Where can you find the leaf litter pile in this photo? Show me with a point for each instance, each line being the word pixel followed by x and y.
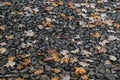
pixel 59 40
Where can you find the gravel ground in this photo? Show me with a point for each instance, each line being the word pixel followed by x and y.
pixel 59 40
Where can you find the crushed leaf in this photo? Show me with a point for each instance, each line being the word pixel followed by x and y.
pixel 80 70
pixel 37 72
pixel 85 77
pixel 56 70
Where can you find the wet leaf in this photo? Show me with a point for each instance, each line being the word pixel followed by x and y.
pixel 80 70
pixel 56 70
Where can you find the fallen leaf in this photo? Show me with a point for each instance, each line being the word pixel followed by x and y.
pixel 2 50
pixel 48 8
pixel 61 3
pixel 102 50
pixel 11 58
pixel 37 72
pixel 66 59
pixel 54 4
pixel 116 25
pixel 56 70
pixel 80 70
pixel 7 3
pixel 96 34
pixel 85 77
pixel 9 36
pixel 21 13
pixel 56 57
pixel 27 61
pixel 92 25
pixel 3 27
pixel 64 16
pixel 54 78
pixel 19 79
pixel 20 67
pixel 10 63
pixel 100 1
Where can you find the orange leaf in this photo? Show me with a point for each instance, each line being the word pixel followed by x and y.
pixel 96 34
pixel 56 70
pixel 85 77
pixel 27 61
pixel 55 56
pixel 54 78
pixel 80 70
pixel 37 72
pixel 11 58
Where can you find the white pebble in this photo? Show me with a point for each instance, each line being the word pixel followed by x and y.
pixel 113 58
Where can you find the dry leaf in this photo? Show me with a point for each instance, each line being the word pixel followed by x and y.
pixel 80 70
pixel 2 50
pixel 56 57
pixel 92 25
pixel 9 36
pixel 96 34
pixel 56 70
pixel 48 8
pixel 19 79
pixel 27 61
pixel 37 72
pixel 66 59
pixel 61 3
pixel 11 58
pixel 78 10
pixel 54 78
pixel 102 50
pixel 54 4
pixel 85 77
pixel 63 16
pixel 100 1
pixel 10 63
pixel 70 4
pixel 117 25
pixel 70 18
pixel 7 3
pixel 3 27
pixel 21 13
pixel 20 67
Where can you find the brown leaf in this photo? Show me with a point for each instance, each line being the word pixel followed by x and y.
pixel 61 3
pixel 20 79
pixel 92 25
pixel 3 27
pixel 116 25
pixel 54 4
pixel 96 34
pixel 56 57
pixel 54 78
pixel 48 8
pixel 7 3
pixel 20 67
pixel 56 70
pixel 66 59
pixel 37 72
pixel 102 50
pixel 100 1
pixel 27 61
pixel 63 16
pixel 70 18
pixel 21 13
pixel 78 10
pixel 85 77
pixel 80 70
pixel 11 58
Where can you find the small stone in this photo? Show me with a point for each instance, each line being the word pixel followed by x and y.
pixel 75 51
pixel 113 58
pixel 2 50
pixel 64 52
pixel 29 33
pixel 36 10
